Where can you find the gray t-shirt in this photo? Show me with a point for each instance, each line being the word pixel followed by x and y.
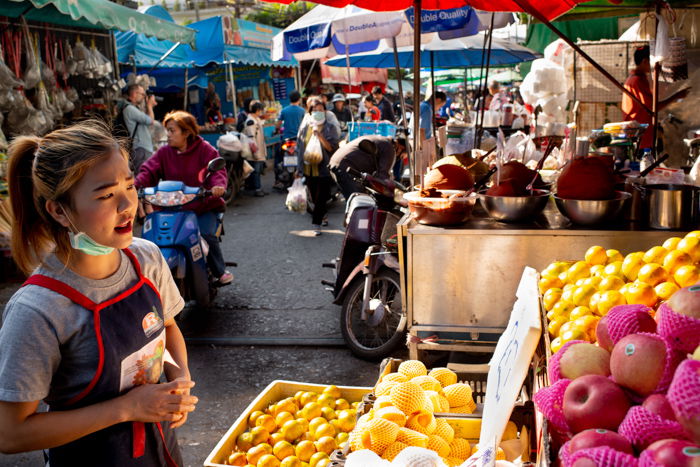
pixel 48 349
pixel 142 137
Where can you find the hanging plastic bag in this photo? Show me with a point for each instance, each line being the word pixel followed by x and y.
pixel 246 151
pixel 296 198
pixel 81 55
pixel 313 153
pixel 247 169
pixel 3 140
pixel 8 80
pixel 32 72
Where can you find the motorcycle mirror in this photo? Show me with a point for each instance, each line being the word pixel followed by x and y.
pixel 216 164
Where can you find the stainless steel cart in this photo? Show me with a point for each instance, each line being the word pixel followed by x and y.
pixel 459 283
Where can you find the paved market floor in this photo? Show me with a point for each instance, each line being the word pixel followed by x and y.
pixel 276 294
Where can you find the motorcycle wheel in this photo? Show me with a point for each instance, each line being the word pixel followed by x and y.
pixel 232 188
pixel 374 341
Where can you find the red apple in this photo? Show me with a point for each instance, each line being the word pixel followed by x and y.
pixel 684 397
pixel 622 320
pixel 597 437
pixel 584 359
pixel 686 301
pixel 638 361
pixel 671 453
pixel 594 401
pixel 658 404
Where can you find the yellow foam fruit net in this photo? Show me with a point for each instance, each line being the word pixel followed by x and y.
pixel 458 394
pixel 392 414
pixel 464 409
pixel 382 401
pixel 396 377
pixel 439 445
pixel 444 404
pixel 445 376
pixel 412 368
pixel 422 422
pixel 460 448
pixel 412 438
pixel 444 430
pixel 428 383
pixel 378 434
pixel 393 450
pixel 408 397
pixel 434 399
pixel 384 388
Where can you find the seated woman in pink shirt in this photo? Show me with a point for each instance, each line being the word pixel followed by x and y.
pixel 185 159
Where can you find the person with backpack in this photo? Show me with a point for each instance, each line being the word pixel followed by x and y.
pixel 137 124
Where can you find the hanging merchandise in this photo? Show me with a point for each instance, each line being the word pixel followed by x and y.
pixel 81 54
pixel 32 72
pixel 8 80
pixel 3 140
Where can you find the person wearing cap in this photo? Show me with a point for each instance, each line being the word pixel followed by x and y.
pixel 341 112
pixel 373 154
pixel 638 84
pixel 386 110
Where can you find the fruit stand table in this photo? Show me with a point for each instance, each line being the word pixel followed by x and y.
pixel 458 283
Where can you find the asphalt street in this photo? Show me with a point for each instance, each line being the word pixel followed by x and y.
pixel 276 298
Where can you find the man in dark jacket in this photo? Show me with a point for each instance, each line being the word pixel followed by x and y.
pixel 385 107
pixel 370 154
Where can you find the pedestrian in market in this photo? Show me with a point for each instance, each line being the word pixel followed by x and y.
pixel 373 154
pixel 254 129
pixel 314 165
pixel 89 330
pixel 638 84
pixel 426 113
pixel 290 119
pixel 341 112
pixel 385 107
pixel 184 159
pixel 372 114
pixel 138 124
pixel 243 113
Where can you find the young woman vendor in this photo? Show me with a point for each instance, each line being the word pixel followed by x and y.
pixel 91 332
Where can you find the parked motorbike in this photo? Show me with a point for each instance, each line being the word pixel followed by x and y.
pixel 234 170
pixel 367 283
pixel 176 232
pixel 284 171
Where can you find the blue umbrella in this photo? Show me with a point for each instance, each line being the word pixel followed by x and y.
pixel 462 52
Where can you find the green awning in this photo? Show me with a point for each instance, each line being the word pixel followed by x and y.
pixel 603 8
pixel 101 14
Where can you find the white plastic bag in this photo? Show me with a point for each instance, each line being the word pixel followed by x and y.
pixel 246 151
pixel 313 153
pixel 296 198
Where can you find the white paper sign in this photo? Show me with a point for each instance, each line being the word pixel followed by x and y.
pixel 509 367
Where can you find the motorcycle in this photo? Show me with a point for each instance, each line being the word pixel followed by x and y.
pixel 234 170
pixel 284 171
pixel 176 232
pixel 367 282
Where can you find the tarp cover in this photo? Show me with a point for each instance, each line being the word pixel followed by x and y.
pixel 98 13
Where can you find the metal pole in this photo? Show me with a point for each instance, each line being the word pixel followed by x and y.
pixel 432 95
pixel 484 85
pixel 399 82
pixel 655 92
pixel 234 100
pixel 184 104
pixel 306 80
pixel 524 6
pixel 479 91
pixel 417 143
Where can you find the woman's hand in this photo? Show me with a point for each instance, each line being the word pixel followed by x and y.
pixel 152 403
pixel 218 191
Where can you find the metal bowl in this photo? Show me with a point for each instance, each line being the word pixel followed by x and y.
pixel 514 208
pixel 591 212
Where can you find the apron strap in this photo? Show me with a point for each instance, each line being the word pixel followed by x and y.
pixel 138 445
pixel 168 458
pixel 137 267
pixel 61 289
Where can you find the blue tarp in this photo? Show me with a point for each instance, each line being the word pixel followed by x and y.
pixel 145 52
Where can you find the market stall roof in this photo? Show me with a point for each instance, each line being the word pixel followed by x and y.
pixel 461 52
pixel 218 40
pixel 101 14
pixel 548 8
pixel 604 8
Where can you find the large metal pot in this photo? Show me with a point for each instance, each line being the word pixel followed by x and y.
pixel 672 207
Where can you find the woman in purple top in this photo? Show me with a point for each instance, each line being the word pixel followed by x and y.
pixel 185 159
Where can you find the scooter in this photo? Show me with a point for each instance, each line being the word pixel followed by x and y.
pixel 176 232
pixel 284 171
pixel 367 282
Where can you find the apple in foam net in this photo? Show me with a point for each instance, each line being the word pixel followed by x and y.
pixel 672 453
pixel 594 401
pixel 658 404
pixel 599 437
pixel 584 359
pixel 638 361
pixel 686 301
pixel 642 322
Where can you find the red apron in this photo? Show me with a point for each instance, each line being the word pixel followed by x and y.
pixel 130 335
